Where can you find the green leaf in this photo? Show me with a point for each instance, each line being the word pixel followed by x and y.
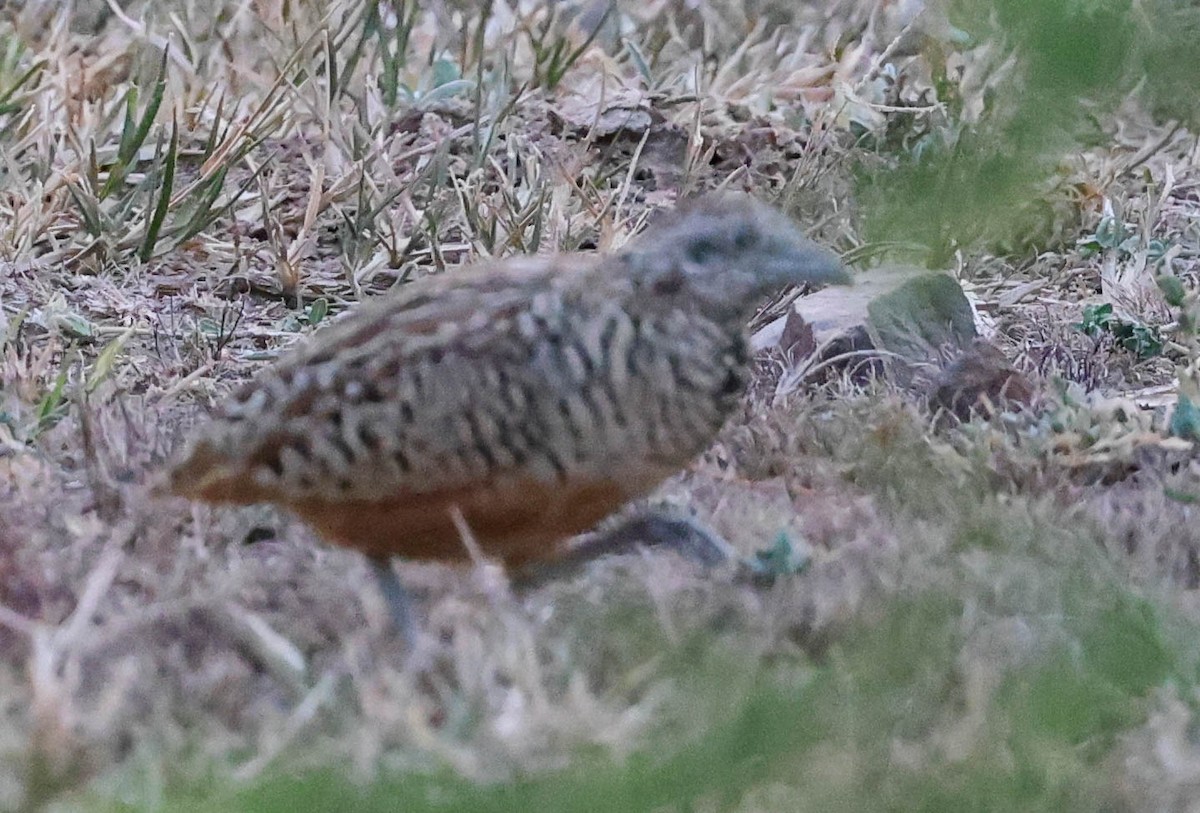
pixel 445 72
pixel 1095 319
pixel 1185 420
pixel 1177 495
pixel 782 558
pixel 76 326
pixel 1172 289
pixel 1142 340
pixel 129 148
pixel 446 91
pixel 1157 249
pixel 317 311
pixel 639 60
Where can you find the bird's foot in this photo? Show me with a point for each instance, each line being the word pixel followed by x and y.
pixel 655 529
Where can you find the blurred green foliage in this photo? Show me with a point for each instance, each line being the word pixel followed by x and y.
pixel 1045 731
pixel 1068 65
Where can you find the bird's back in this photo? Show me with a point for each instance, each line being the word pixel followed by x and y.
pixel 535 396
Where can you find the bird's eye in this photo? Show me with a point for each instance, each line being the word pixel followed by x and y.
pixel 700 250
pixel 744 237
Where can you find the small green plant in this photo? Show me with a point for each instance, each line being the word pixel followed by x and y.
pixel 1110 235
pixel 1120 238
pixel 553 51
pixel 1185 418
pixel 1141 340
pixel 127 199
pixel 135 130
pixel 443 81
pixel 28 421
pixel 390 65
pixel 781 558
pixel 391 47
pixel 104 177
pixel 17 84
pixel 309 316
pixel 366 227
pixel 53 405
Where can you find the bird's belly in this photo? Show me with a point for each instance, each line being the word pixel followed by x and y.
pixel 516 522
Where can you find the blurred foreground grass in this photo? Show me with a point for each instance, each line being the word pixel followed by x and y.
pixel 830 742
pixel 1002 675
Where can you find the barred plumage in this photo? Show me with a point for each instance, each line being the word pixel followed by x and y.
pixel 536 395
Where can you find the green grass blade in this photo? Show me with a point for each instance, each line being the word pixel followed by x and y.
pixel 147 119
pixel 49 408
pixel 133 135
pixel 215 134
pixel 154 224
pixel 104 362
pixel 6 97
pixel 88 209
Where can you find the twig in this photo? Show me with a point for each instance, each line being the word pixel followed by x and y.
pixel 1149 151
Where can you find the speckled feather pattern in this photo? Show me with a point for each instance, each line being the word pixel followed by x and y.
pixel 536 394
pixel 535 369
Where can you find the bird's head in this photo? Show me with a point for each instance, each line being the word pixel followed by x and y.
pixel 724 254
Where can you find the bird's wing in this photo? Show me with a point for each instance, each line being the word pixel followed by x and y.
pixel 457 381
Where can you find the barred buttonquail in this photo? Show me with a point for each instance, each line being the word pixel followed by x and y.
pixel 535 395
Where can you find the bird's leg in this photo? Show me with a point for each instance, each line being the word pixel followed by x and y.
pixel 654 529
pixel 397 599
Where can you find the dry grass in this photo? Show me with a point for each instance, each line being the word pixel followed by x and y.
pixel 998 614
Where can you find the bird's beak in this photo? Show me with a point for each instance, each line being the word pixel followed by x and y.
pixel 806 262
